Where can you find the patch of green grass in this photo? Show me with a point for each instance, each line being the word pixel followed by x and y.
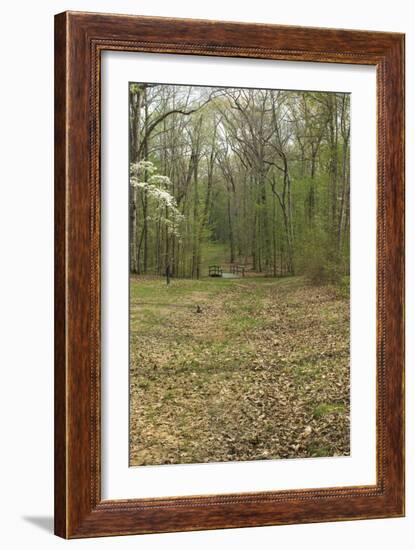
pixel 307 370
pixel 316 450
pixel 237 324
pixel 156 291
pixel 343 288
pixel 327 408
pixel 288 283
pixel 214 254
pixel 300 373
pixel 168 396
pixel 147 315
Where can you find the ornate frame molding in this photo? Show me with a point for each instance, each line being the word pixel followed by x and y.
pixel 79 40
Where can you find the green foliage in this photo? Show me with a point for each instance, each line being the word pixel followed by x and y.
pixel 321 270
pixel 343 287
pixel 262 173
pixel 324 409
pixel 316 450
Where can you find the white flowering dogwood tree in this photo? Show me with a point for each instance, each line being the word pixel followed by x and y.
pixel 163 209
pixel 156 187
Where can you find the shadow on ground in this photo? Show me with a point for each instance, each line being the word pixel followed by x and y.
pixel 43 522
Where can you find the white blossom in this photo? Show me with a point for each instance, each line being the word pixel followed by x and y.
pixel 160 180
pixel 155 187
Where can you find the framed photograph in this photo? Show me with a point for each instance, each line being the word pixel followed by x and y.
pixel 229 275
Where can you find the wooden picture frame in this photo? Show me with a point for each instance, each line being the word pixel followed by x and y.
pixel 79 40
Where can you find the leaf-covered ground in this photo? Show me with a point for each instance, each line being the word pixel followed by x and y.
pixel 261 372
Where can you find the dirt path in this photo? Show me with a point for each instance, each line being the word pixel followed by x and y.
pixel 261 372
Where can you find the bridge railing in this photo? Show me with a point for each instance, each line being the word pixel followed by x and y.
pixel 237 269
pixel 215 271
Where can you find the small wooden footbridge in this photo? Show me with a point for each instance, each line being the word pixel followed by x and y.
pixel 234 272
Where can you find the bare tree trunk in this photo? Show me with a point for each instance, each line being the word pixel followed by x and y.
pixel 134 266
pixel 135 106
pixel 254 254
pixel 231 234
pixel 345 132
pixel 145 198
pixel 196 220
pixel 333 167
pixel 274 238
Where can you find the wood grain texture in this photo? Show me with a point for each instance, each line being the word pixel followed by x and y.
pixel 60 278
pixel 79 40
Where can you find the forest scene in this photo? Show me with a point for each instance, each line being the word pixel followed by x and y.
pixel 239 224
